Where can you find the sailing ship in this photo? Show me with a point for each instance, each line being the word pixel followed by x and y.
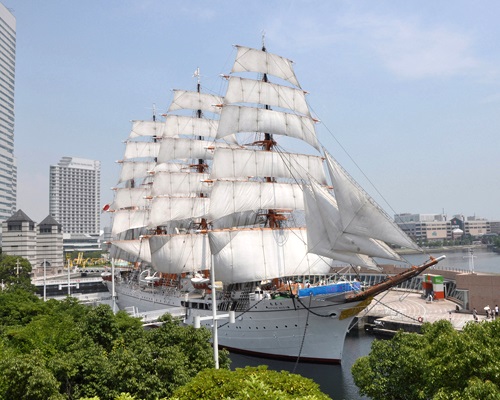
pixel 209 193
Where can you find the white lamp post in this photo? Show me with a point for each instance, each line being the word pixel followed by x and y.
pixel 214 317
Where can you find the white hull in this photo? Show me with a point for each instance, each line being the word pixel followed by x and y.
pixel 150 299
pixel 311 330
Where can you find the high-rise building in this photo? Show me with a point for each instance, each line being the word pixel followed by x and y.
pixel 8 169
pixel 74 195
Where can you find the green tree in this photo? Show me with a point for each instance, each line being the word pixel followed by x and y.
pixel 80 351
pixel 249 383
pixel 18 306
pixel 15 270
pixel 25 377
pixel 441 363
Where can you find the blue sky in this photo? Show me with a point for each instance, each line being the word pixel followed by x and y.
pixel 407 92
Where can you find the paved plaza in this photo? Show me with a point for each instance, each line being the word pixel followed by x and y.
pixel 409 307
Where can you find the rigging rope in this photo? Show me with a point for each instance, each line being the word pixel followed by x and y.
pixel 303 337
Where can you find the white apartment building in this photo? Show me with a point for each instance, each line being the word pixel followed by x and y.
pixel 74 194
pixel 8 169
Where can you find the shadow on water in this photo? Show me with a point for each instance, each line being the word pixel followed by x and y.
pixel 334 380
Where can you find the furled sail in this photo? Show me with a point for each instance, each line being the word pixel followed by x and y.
pixel 249 255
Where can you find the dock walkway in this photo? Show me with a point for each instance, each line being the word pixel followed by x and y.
pixel 402 309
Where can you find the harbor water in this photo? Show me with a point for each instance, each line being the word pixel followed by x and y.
pixel 336 380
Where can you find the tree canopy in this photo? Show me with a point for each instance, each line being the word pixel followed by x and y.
pixel 15 270
pixel 441 364
pixel 65 350
pixel 249 383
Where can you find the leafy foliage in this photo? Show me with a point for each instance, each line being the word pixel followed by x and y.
pixel 441 364
pixel 15 270
pixel 65 350
pixel 249 383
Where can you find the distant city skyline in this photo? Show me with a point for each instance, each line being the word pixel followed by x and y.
pixel 410 90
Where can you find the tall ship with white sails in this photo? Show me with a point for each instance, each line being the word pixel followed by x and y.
pixel 209 193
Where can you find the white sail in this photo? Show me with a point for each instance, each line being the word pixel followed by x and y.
pixel 174 254
pixel 189 100
pixel 138 249
pixel 124 220
pixel 177 184
pixel 147 128
pixel 229 197
pixel 135 170
pixel 241 90
pixel 170 167
pixel 132 197
pixel 325 232
pixel 359 213
pixel 179 149
pixel 166 209
pixel 236 163
pixel 253 60
pixel 141 150
pixel 235 119
pixel 244 218
pixel 180 125
pixel 249 255
pixel 183 149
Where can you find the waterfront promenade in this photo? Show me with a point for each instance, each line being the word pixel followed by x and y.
pixel 402 309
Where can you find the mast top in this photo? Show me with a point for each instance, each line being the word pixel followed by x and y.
pixel 196 75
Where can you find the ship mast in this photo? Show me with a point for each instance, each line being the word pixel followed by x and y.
pixel 273 217
pixel 201 167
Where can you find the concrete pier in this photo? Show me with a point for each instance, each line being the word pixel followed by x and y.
pixel 395 310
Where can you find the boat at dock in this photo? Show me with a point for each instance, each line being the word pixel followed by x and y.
pixel 210 203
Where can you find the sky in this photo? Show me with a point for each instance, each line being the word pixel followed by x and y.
pixel 408 93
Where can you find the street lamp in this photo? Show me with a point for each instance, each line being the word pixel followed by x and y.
pixel 214 317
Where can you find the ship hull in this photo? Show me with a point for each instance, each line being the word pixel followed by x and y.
pixel 305 329
pixel 143 300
